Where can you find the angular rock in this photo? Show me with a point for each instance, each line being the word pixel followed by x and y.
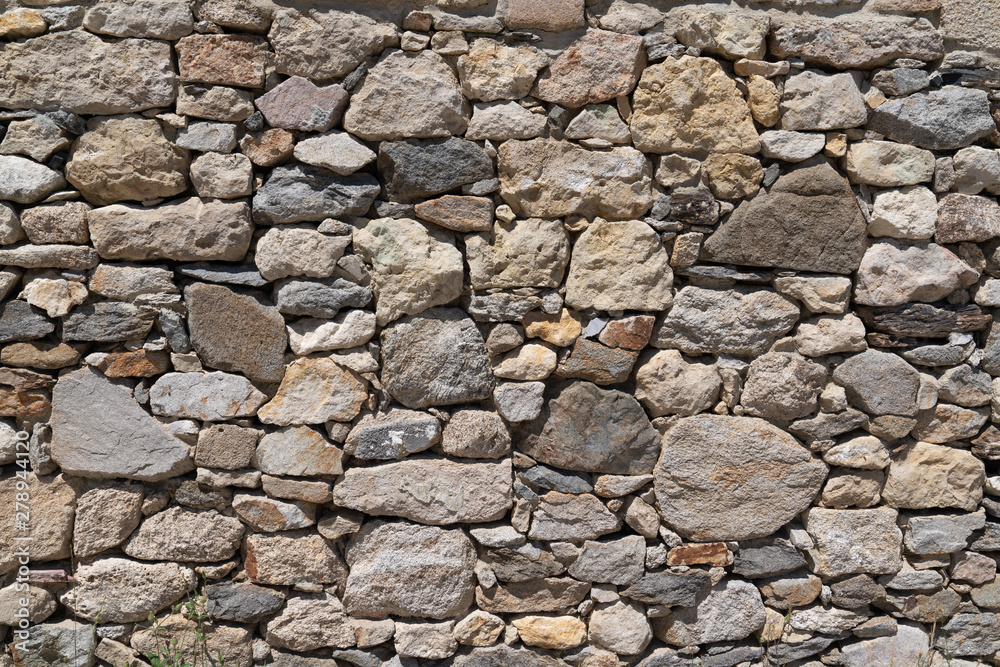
pixel 216 312
pixel 298 104
pixel 214 102
pixel 879 383
pixel 566 179
pixel 946 423
pixel 25 181
pixel 667 384
pixel 435 358
pixel 730 34
pixel 336 151
pixel 857 44
pixel 519 401
pixel 119 590
pixel 782 386
pixel 408 94
pixel 324 45
pixel 105 516
pixel 599 66
pixel 972 634
pixel 301 193
pixel 462 214
pixel 284 252
pixel 393 434
pixel 586 428
pixel 294 557
pixel 20 321
pixel 233 60
pixel 108 77
pixel 551 632
pixel 432 491
pixel 65 222
pixel 574 518
pixel 767 558
pixel 241 602
pixel 707 488
pixel 126 158
pixel 98 430
pixel 205 397
pixel 820 336
pixel 618 562
pixel 141 18
pixel 905 213
pixel 310 621
pixel 522 253
pixel 225 446
pixel 39 138
pixel 808 221
pixel 415 266
pixel 666 120
pixel 78 258
pixel 186 230
pixel 499 121
pixel 926 475
pixel 269 148
pixel 410 571
pixel 313 391
pixel 668 588
pixel 619 266
pixel 740 321
pixel 184 535
pixel 551 16
pixel 886 164
pixel 415 169
pixel 268 515
pixel 941 533
pixel 943 119
pixel 892 274
pixel 492 70
pixel 854 541
pixel 727 611
pixel 813 100
pixel 539 595
pixel 347 330
pixel 51 514
pixel 791 146
pixel 107 322
pixel 967 218
pixel 321 298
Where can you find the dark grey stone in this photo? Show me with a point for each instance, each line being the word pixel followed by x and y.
pixel 231 274
pixel 988 539
pixel 296 193
pixel 668 588
pixel 554 480
pixel 499 307
pixel 730 654
pixel 757 559
pixel 108 322
pixel 20 321
pixel 524 563
pixel 828 425
pixel 242 603
pixel 785 653
pixel 319 298
pixel 856 592
pixel 506 656
pixel 944 119
pixel 880 383
pixel 419 168
pixel 172 325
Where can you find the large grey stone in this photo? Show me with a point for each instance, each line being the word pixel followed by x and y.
pixel 733 478
pixel 670 589
pixel 739 320
pixel 416 169
pixel 170 19
pixel 242 602
pixel 866 541
pixel 435 358
pixel 181 534
pixel 204 396
pixel 857 44
pixel 815 101
pixel 299 192
pixel 880 383
pixel 808 221
pixel 66 643
pixel 25 181
pixel 119 590
pixel 944 119
pixel 320 298
pixel 98 430
pixel 429 490
pixel 106 77
pixel 727 611
pixel 587 428
pixel 410 571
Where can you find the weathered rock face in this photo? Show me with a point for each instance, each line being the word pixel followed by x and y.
pixel 524 253
pixel 98 430
pixel 492 70
pixel 666 120
pixel 943 119
pixel 302 193
pixel 435 358
pixel 110 77
pixel 892 274
pixel 584 427
pixel 733 478
pixel 409 571
pixel 853 541
pixel 597 67
pixel 564 179
pixel 856 44
pixel 926 475
pixel 185 535
pixel 51 514
pixel 808 221
pixel 315 390
pixel 433 491
pixel 732 610
pixel 119 590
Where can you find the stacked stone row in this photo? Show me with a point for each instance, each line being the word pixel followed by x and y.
pixel 550 335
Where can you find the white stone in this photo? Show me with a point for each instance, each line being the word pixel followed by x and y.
pixel 904 213
pixel 337 151
pixel 348 329
pixel 791 146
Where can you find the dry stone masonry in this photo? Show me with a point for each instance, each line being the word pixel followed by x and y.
pixel 515 333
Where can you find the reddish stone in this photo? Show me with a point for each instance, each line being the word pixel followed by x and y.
pixel 268 149
pixel 463 214
pixel 630 333
pixel 298 104
pixel 138 363
pixel 599 66
pixel 709 553
pixel 972 568
pixel 232 60
pixel 592 361
pixel 931 608
pixel 24 404
pixel 416 20
pixel 24 380
pixel 550 15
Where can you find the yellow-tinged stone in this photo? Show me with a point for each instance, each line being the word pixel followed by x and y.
pixel 22 23
pixel 733 176
pixel 836 144
pixel 764 97
pixel 315 390
pixel 528 363
pixel 691 106
pixel 552 632
pixel 774 626
pixel 561 330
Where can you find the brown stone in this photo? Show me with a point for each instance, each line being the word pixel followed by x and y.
pixel 931 608
pixel 33 405
pixel 630 333
pixel 550 595
pixel 138 363
pixel 234 60
pixel 463 214
pixel 550 15
pixel 967 218
pixel 39 355
pixel 53 503
pixel 269 148
pixel 65 222
pixel 284 559
pixel 589 360
pixel 710 553
pixel 923 320
pixel 599 66
pixel 298 104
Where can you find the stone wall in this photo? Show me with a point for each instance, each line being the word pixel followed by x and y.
pixel 516 335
